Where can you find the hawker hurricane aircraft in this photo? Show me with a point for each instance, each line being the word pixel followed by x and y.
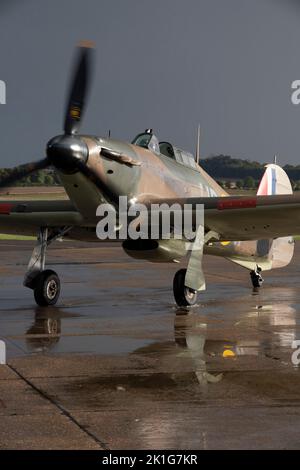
pixel 255 232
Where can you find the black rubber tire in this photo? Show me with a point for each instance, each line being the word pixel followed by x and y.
pixel 47 288
pixel 256 279
pixel 184 296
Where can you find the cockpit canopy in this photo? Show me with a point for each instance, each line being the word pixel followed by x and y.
pixel 181 156
pixel 149 141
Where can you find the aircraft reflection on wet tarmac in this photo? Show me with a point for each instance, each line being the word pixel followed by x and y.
pixel 192 347
pixel 45 332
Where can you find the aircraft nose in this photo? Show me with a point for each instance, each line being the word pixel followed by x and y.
pixel 67 153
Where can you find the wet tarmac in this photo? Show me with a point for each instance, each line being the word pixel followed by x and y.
pixel 116 365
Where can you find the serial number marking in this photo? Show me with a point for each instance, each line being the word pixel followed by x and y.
pixel 175 459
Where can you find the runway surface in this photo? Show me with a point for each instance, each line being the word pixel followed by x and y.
pixel 116 365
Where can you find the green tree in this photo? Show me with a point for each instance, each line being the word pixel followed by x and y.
pixel 249 182
pixel 48 180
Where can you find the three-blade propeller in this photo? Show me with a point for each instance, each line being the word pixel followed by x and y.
pixel 66 152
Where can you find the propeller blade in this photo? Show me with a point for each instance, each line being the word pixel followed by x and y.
pixel 21 171
pixel 79 88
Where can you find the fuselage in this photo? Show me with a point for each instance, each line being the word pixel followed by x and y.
pixel 152 177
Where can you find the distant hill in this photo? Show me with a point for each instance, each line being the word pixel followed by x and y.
pixel 224 166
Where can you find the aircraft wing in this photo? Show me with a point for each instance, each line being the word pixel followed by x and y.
pixel 232 217
pixel 25 217
pixel 248 218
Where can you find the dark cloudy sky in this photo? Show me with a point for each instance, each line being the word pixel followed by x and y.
pixel 166 64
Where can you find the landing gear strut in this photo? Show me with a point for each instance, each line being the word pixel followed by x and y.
pixel 184 296
pixel 188 282
pixel 256 277
pixel 44 283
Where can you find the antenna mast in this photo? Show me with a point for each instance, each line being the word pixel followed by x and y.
pixel 198 145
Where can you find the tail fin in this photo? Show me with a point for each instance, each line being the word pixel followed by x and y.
pixel 276 181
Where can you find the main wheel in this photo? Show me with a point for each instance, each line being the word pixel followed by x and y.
pixel 184 296
pixel 47 288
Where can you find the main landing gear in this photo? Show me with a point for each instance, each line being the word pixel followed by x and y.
pixel 184 296
pixel 256 277
pixel 188 282
pixel 45 283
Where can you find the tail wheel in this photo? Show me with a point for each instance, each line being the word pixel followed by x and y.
pixel 47 288
pixel 256 277
pixel 184 296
